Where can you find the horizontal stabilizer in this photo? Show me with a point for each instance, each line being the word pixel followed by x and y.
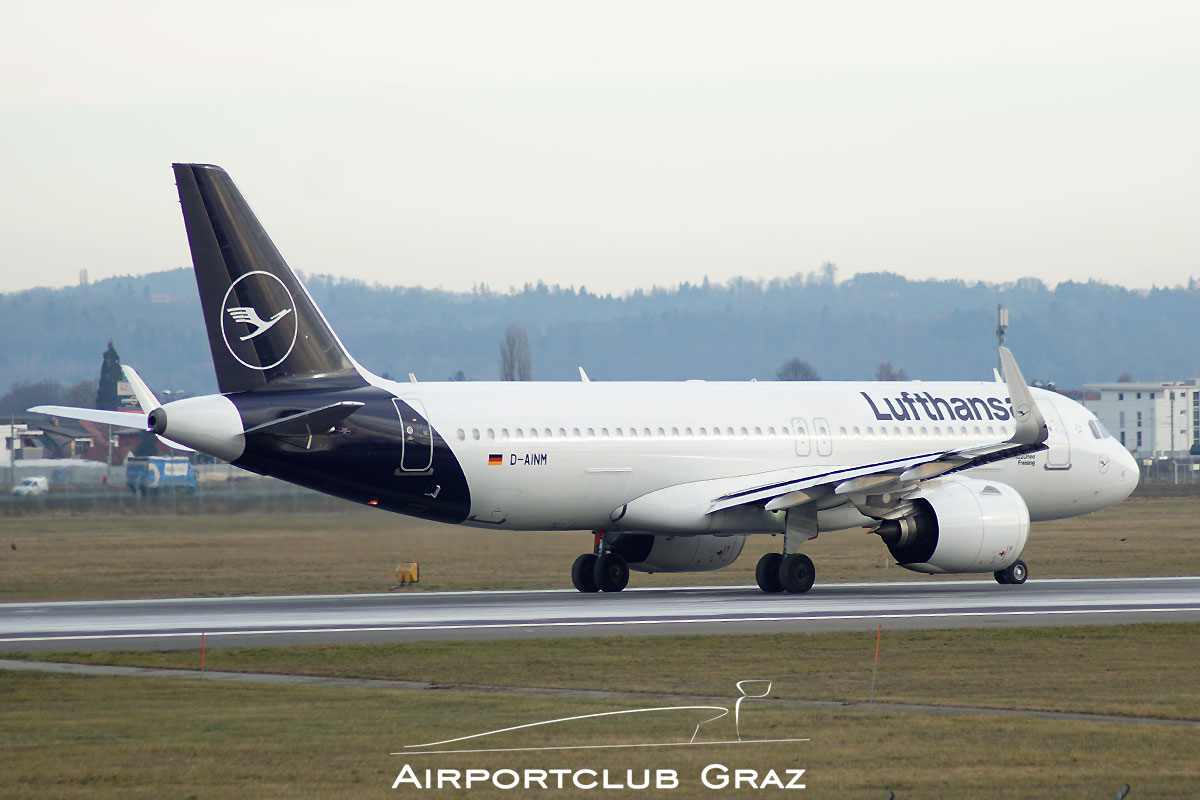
pixel 307 423
pixel 141 391
pixel 120 419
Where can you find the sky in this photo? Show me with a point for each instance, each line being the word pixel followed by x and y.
pixel 613 145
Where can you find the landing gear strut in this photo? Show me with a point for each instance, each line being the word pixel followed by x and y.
pixel 793 573
pixel 600 571
pixel 1016 573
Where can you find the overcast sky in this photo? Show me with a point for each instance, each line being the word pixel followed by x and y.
pixel 611 144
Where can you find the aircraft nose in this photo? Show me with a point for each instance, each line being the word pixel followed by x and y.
pixel 1125 471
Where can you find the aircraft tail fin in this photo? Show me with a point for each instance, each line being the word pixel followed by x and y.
pixel 263 328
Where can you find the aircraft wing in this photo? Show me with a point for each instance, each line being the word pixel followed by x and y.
pixel 865 484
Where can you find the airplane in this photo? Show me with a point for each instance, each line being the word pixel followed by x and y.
pixel 670 476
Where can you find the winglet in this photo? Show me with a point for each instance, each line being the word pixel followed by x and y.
pixel 1031 425
pixel 583 376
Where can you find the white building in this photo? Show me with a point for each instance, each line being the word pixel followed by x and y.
pixel 1151 419
pixel 20 442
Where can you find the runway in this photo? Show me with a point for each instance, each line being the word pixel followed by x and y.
pixel 261 621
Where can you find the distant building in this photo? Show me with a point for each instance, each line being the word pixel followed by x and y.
pixel 20 442
pixel 1152 420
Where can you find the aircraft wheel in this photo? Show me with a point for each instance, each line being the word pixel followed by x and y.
pixel 1017 573
pixel 767 573
pixel 796 573
pixel 611 573
pixel 583 573
pixel 1001 576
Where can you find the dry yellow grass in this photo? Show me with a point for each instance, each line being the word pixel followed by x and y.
pixel 357 551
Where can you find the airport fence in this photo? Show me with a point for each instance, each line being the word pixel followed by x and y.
pixel 257 496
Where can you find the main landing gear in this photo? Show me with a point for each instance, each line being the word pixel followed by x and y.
pixel 600 571
pixel 793 573
pixel 1016 573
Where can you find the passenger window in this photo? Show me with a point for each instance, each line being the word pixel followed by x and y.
pixel 491 433
pixel 688 431
pixel 771 431
pixel 532 433
pixel 591 433
pixel 757 431
pixel 475 434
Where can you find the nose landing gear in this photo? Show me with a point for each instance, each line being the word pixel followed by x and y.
pixel 1016 573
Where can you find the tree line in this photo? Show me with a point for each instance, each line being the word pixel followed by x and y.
pixel 868 326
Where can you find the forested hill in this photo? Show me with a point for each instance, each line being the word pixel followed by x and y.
pixel 1071 334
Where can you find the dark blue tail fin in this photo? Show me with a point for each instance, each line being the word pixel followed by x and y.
pixel 263 328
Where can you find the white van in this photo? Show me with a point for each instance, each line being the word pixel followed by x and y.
pixel 32 487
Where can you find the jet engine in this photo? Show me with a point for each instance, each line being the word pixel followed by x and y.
pixel 646 552
pixel 959 525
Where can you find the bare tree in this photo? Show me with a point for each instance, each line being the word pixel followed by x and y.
pixel 885 372
pixel 796 370
pixel 515 362
pixel 1124 377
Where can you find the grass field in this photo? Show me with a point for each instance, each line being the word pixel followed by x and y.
pixel 73 558
pixel 1095 669
pixel 70 736
pixel 76 736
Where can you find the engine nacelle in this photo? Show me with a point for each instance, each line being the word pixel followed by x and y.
pixel 960 525
pixel 646 552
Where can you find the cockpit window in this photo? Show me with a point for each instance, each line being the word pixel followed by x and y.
pixel 1098 429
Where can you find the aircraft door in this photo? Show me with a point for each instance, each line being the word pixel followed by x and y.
pixel 803 443
pixel 1059 454
pixel 416 454
pixel 824 437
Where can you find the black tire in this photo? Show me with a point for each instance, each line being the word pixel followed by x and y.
pixel 767 573
pixel 583 573
pixel 1018 573
pixel 611 573
pixel 1001 576
pixel 796 573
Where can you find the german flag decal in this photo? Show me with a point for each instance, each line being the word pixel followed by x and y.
pixel 495 460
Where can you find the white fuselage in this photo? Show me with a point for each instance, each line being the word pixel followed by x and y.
pixel 570 454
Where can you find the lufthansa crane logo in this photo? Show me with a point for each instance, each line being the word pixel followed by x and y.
pixel 263 307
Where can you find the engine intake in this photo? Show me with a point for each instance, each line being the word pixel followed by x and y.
pixel 960 525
